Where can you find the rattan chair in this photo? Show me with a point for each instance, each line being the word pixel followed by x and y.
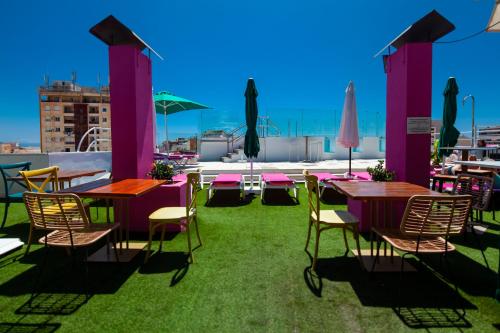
pixel 323 220
pixel 426 226
pixel 8 171
pixel 177 215
pixel 481 190
pixel 63 216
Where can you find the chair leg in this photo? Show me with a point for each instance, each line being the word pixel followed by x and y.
pixel 151 232
pixel 308 234
pixel 457 293
pixel 30 238
pixel 379 242
pixel 197 231
pixel 346 243
pixel 163 229
pixel 356 237
pixel 316 249
pixel 36 284
pixel 86 276
pixel 7 204
pixel 401 274
pixel 188 231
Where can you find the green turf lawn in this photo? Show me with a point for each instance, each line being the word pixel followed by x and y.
pixel 250 276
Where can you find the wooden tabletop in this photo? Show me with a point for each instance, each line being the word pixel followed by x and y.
pixel 381 190
pixel 66 175
pixel 106 188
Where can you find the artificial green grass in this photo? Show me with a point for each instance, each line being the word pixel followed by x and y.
pixel 250 275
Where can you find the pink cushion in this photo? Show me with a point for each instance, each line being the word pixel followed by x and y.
pixel 325 176
pixel 363 175
pixel 277 179
pixel 227 180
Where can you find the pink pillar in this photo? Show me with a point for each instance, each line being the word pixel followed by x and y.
pixel 132 131
pixel 409 94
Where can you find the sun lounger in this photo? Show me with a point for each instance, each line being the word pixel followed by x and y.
pixel 227 181
pixel 277 181
pixel 324 179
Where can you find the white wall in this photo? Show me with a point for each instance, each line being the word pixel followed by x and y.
pixel 279 149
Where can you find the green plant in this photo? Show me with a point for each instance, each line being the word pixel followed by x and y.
pixel 379 173
pixel 435 153
pixel 161 170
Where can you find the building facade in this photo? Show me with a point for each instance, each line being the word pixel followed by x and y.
pixel 68 111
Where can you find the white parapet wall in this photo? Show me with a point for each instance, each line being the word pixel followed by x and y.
pixel 293 149
pixel 65 161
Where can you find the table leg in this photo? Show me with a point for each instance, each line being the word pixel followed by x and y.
pixel 441 181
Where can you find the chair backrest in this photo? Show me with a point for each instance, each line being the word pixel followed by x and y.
pixel 48 175
pixel 479 187
pixel 193 183
pixel 12 170
pixel 54 211
pixel 312 194
pixel 442 215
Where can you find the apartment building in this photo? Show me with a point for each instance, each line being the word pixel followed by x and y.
pixel 68 111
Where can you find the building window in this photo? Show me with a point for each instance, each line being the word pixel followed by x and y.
pixel 104 110
pixel 44 98
pixel 47 118
pixel 57 118
pixel 58 129
pixel 104 120
pixel 57 108
pixel 67 150
pixel 47 107
pixel 68 109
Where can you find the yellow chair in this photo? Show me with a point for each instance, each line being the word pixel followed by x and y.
pixel 176 215
pixel 326 219
pixel 38 181
pixel 43 176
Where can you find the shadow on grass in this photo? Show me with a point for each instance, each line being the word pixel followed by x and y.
pixel 22 328
pixel 62 285
pixel 166 262
pixel 229 198
pixel 332 197
pixel 279 197
pixel 497 326
pixel 426 302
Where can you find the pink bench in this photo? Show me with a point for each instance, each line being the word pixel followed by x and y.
pixel 227 181
pixel 277 181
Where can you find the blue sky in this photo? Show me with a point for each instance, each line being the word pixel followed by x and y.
pixel 301 54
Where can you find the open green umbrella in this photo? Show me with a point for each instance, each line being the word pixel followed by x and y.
pixel 167 103
pixel 448 135
pixel 252 146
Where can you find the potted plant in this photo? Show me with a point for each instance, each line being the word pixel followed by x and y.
pixel 162 170
pixel 381 174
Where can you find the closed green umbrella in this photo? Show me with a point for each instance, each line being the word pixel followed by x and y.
pixel 167 103
pixel 448 136
pixel 252 146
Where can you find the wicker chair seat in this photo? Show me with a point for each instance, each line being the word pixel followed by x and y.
pixel 170 214
pixel 81 237
pixel 408 243
pixel 335 217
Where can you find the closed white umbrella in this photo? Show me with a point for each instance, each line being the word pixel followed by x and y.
pixel 348 133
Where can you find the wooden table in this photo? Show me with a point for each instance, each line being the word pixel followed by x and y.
pixel 120 192
pixel 64 176
pixel 465 152
pixel 441 179
pixel 382 198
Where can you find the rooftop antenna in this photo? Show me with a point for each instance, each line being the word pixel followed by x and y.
pixel 46 80
pixel 99 82
pixel 73 79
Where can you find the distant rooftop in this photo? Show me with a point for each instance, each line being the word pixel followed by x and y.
pixel 71 86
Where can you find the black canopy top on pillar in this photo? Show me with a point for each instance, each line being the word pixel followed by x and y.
pixel 113 32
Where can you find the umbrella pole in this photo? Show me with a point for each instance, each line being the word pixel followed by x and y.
pixel 251 174
pixel 350 154
pixel 166 129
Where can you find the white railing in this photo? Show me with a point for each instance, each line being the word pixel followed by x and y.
pixel 94 142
